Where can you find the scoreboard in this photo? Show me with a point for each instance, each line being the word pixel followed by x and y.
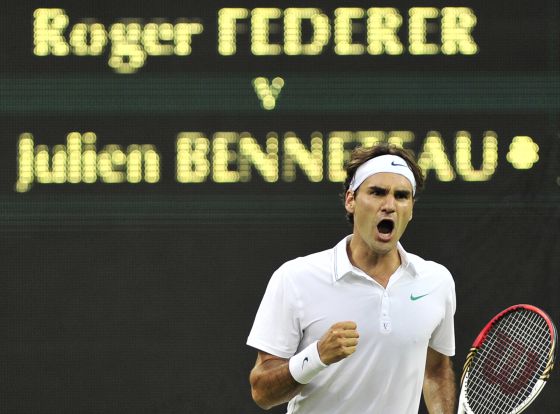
pixel 159 159
pixel 252 99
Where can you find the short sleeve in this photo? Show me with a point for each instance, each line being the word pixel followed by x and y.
pixel 443 338
pixel 276 329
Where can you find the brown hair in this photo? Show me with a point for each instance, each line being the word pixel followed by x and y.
pixel 362 154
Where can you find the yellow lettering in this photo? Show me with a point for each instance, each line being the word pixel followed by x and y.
pixel 368 139
pixel 418 30
pixel 463 155
pixel 433 157
pixel 111 164
pixel 227 29
pixel 222 157
pixel 383 23
pixel 152 36
pixel 338 155
pixel 89 158
pixel 42 168
pixel 26 174
pixel 192 157
pixel 250 153
pixel 127 56
pixel 343 31
pixel 400 138
pixel 260 21
pixel 48 26
pixel 79 39
pixel 134 164
pixel 49 170
pixel 74 149
pixel 456 26
pixel 78 162
pixel 293 44
pixel 310 161
pixel 267 93
pixel 142 162
pixel 183 33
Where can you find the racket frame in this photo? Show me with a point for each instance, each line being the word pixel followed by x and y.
pixel 463 406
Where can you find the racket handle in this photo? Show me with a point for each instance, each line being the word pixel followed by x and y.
pixel 461 409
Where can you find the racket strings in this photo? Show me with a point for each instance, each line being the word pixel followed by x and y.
pixel 509 363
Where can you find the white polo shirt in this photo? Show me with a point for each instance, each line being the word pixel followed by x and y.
pixel 307 295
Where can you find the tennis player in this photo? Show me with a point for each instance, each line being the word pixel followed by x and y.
pixel 364 327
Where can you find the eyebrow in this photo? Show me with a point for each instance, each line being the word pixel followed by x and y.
pixel 378 188
pixel 385 190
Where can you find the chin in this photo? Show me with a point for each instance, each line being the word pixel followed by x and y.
pixel 383 247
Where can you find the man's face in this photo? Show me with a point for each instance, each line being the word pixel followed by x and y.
pixel 382 208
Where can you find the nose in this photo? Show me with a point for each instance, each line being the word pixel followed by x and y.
pixel 388 204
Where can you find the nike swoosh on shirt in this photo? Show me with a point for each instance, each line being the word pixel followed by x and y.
pixel 412 297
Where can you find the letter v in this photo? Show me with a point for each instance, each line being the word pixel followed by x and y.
pixel 268 92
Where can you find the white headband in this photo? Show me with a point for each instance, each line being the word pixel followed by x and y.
pixel 384 163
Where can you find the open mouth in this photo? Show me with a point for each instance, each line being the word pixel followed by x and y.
pixel 385 226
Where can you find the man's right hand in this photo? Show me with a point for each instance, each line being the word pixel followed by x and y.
pixel 338 342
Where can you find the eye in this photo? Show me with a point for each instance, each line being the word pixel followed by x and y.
pixel 377 191
pixel 402 195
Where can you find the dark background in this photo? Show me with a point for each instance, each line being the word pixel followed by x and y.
pixel 139 298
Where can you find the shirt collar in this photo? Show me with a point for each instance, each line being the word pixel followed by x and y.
pixel 343 267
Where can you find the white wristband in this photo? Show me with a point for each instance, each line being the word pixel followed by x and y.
pixel 305 365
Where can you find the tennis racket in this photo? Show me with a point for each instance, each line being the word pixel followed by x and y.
pixel 509 362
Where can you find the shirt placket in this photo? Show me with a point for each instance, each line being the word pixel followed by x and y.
pixel 385 323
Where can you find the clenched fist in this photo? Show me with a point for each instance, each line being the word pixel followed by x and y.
pixel 338 342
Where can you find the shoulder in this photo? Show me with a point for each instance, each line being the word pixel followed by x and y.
pixel 427 269
pixel 437 279
pixel 317 265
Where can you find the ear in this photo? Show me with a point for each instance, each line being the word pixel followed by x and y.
pixel 349 201
pixel 411 213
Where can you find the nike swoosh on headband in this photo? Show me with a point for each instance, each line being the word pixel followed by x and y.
pixel 380 164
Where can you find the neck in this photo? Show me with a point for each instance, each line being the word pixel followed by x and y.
pixel 378 265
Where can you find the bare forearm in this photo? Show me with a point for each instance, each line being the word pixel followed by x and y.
pixel 439 390
pixel 273 384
